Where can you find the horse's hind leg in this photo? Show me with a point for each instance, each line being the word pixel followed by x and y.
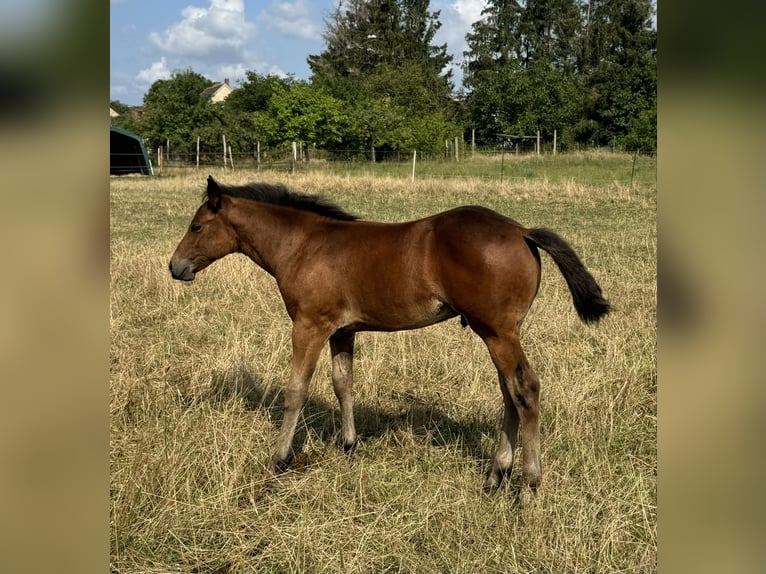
pixel 342 350
pixel 503 461
pixel 521 389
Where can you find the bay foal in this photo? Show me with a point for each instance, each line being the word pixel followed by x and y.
pixel 338 275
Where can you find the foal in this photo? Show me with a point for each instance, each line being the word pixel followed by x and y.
pixel 338 275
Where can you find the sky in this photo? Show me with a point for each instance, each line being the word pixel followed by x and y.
pixel 225 38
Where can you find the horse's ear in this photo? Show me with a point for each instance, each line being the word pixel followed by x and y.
pixel 213 194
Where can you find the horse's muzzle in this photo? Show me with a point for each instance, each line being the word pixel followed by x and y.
pixel 181 269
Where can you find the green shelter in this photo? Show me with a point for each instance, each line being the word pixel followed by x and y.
pixel 127 153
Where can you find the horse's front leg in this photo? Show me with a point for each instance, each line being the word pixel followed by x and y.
pixel 307 344
pixel 342 351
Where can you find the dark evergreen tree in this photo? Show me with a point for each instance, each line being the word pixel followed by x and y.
pixel 618 60
pixel 520 68
pixel 364 36
pixel 587 69
pixel 381 61
pixel 549 31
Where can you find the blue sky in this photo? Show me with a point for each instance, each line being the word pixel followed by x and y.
pixel 224 38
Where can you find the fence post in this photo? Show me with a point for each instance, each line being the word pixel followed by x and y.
pixel 224 153
pixel 633 171
pixel 502 160
pixel 197 152
pixel 473 142
pixel 457 150
pixel 258 153
pixel 538 142
pixel 554 142
pixel 231 159
pixel 414 158
pixel 295 157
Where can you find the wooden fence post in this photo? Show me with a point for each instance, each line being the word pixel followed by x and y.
pixel 414 158
pixel 502 160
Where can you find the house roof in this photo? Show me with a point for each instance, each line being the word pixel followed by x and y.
pixel 217 92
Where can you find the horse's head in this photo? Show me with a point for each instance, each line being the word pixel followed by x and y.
pixel 209 237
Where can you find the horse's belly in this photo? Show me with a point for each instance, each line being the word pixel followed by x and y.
pixel 401 317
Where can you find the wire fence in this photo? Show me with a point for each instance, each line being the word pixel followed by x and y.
pixel 513 161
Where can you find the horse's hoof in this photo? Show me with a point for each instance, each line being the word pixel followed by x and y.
pixel 350 448
pixel 533 481
pixel 492 483
pixel 278 466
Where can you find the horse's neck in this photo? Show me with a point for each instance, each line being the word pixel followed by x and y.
pixel 268 234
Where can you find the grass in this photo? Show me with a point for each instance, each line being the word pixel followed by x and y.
pixel 197 371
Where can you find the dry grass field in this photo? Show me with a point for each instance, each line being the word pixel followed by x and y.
pixel 197 371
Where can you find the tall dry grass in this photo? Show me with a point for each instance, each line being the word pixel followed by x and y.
pixel 197 371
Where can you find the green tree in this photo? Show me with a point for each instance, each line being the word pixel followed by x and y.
pixel 520 68
pixel 381 61
pixel 586 68
pixel 125 120
pixel 618 60
pixel 549 32
pixel 363 36
pixel 254 93
pixel 394 111
pixel 302 112
pixel 238 111
pixel 174 110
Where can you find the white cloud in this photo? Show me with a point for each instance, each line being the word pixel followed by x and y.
pixel 457 18
pixel 469 10
pixel 292 19
pixel 157 71
pixel 207 33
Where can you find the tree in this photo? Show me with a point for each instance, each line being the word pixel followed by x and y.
pixel 618 59
pixel 520 68
pixel 239 110
pixel 125 120
pixel 254 93
pixel 302 113
pixel 394 111
pixel 175 111
pixel 380 61
pixel 587 69
pixel 549 32
pixel 364 36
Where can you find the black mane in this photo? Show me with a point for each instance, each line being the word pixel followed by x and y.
pixel 278 194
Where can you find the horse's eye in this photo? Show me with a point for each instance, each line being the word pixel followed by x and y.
pixel 196 227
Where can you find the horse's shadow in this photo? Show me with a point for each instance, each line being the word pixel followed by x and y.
pixel 426 421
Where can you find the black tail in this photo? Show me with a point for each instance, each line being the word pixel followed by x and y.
pixel 586 293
